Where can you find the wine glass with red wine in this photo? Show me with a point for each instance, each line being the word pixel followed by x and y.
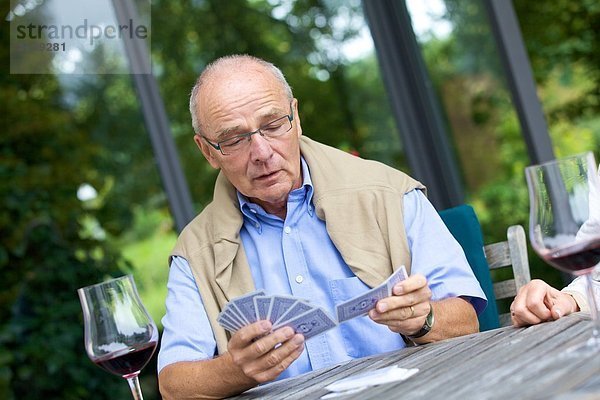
pixel 120 335
pixel 564 222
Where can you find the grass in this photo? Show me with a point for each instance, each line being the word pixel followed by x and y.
pixel 149 254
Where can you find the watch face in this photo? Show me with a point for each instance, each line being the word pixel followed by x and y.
pixel 429 319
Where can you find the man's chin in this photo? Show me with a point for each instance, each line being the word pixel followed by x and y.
pixel 273 197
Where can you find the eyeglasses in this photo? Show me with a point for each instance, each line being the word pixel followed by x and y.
pixel 272 130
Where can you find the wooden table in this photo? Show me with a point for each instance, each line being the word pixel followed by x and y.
pixel 505 363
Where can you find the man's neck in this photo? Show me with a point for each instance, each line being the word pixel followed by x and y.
pixel 278 209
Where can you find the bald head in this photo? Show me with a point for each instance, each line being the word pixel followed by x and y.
pixel 219 69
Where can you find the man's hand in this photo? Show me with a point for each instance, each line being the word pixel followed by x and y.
pixel 254 349
pixel 255 355
pixel 405 311
pixel 538 302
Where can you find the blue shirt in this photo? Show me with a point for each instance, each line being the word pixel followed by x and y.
pixel 306 264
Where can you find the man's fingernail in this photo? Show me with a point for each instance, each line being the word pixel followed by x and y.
pixel 289 332
pixel 265 325
pixel 297 340
pixel 382 307
pixel 558 312
pixel 398 289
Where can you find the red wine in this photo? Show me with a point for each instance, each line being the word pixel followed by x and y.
pixel 578 258
pixel 127 362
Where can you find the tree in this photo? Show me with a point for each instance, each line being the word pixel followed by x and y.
pixel 45 253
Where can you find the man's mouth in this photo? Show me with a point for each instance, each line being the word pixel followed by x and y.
pixel 266 176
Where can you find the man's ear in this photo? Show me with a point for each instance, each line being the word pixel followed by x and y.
pixel 297 117
pixel 207 151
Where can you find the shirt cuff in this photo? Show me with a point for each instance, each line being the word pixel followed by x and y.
pixel 579 299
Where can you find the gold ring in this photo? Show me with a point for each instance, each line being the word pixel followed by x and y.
pixel 412 312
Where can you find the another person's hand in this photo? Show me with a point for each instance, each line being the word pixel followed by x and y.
pixel 254 349
pixel 405 311
pixel 538 302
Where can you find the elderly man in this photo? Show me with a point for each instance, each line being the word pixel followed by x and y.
pixel 295 217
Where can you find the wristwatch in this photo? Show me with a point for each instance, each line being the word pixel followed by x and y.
pixel 426 326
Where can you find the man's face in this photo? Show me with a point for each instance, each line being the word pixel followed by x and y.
pixel 241 101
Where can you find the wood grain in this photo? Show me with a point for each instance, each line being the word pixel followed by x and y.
pixel 505 363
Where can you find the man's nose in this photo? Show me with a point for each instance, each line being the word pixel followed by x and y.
pixel 260 147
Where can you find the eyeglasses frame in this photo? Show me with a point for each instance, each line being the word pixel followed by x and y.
pixel 217 145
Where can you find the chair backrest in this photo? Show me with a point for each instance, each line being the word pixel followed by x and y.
pixel 464 226
pixel 512 252
pixel 462 222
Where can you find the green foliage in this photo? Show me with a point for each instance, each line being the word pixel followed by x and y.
pixel 44 259
pixel 562 42
pixel 337 105
pixel 46 155
pixel 563 35
pixel 147 246
pixel 43 336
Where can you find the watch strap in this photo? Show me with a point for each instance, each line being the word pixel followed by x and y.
pixel 426 326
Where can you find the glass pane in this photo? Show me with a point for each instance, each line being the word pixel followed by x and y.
pixel 324 49
pixel 563 44
pixel 81 199
pixel 462 60
pixel 74 37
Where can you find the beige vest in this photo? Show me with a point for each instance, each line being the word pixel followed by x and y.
pixel 361 202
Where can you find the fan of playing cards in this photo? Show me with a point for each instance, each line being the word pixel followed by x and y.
pixel 303 317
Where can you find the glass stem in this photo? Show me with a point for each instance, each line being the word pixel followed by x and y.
pixel 593 305
pixel 134 385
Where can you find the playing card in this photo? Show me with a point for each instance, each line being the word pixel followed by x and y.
pixel 231 311
pixel 398 276
pixel 302 316
pixel 372 378
pixel 262 306
pixel 227 324
pixel 360 305
pixel 234 307
pixel 280 305
pixel 298 308
pixel 245 305
pixel 311 323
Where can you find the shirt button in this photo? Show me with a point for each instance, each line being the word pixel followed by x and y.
pixel 287 229
pixel 253 211
pixel 299 278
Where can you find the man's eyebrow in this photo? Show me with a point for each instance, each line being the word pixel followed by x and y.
pixel 227 131
pixel 265 118
pixel 272 113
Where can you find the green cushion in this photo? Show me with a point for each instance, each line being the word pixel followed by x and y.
pixel 464 226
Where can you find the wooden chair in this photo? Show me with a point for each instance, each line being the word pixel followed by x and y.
pixel 512 252
pixel 463 224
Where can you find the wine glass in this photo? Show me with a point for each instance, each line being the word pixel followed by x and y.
pixel 564 222
pixel 120 335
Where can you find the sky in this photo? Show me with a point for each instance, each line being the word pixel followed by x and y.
pixel 426 18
